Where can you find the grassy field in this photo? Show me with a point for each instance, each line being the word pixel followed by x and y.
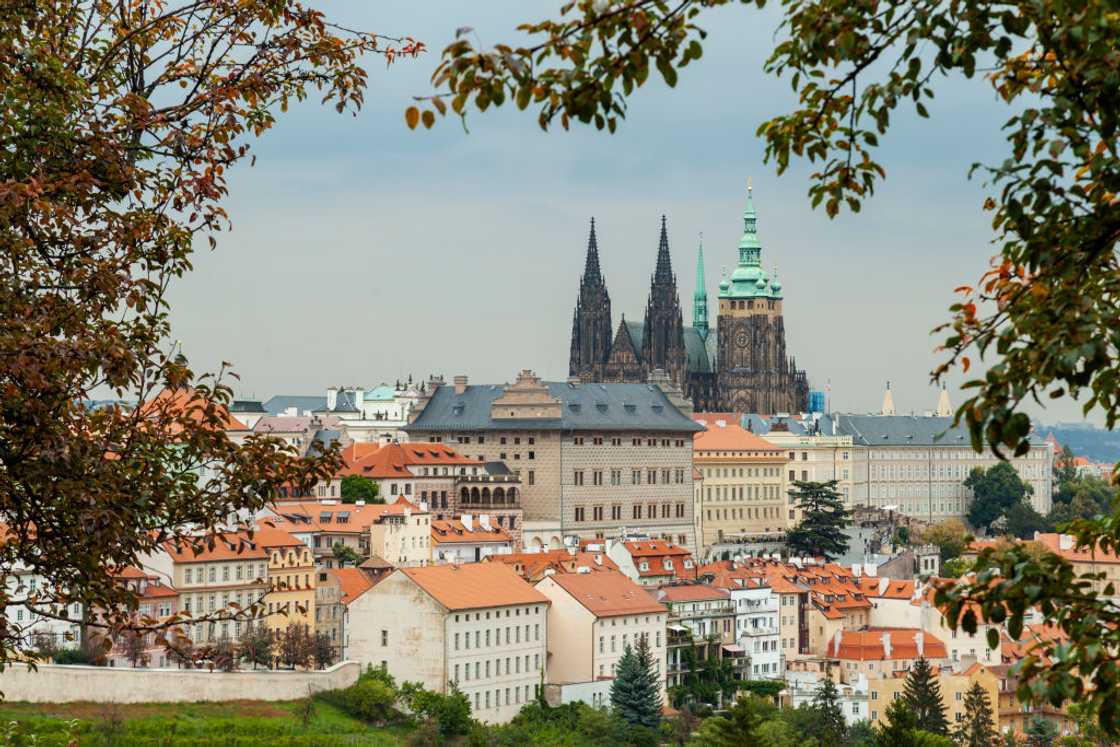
pixel 236 724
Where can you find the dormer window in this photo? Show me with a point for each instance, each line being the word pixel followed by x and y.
pixel 644 566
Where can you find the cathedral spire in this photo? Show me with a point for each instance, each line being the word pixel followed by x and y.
pixel 664 272
pixel 591 271
pixel 700 296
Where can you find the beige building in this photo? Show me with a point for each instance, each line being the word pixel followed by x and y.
pixel 478 625
pixel 918 464
pixel 813 457
pixel 745 488
pixel 291 580
pixel 399 532
pixel 592 458
pixel 954 688
pixel 335 589
pixel 593 618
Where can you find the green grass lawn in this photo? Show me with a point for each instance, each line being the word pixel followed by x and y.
pixel 237 724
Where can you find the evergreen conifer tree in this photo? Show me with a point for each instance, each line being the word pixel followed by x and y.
pixel 634 692
pixel 830 728
pixel 898 727
pixel 922 696
pixel 821 531
pixel 977 730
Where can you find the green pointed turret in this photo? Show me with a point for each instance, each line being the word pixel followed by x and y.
pixel 749 280
pixel 700 296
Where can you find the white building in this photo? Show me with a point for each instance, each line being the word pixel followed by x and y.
pixel 468 539
pixel 593 618
pixel 478 625
pixel 31 628
pixel 756 627
pixel 802 687
pixel 373 415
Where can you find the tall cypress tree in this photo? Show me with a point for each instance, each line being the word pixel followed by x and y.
pixel 922 696
pixel 977 729
pixel 830 728
pixel 634 692
pixel 821 531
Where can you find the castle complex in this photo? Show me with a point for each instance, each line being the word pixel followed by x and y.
pixel 740 366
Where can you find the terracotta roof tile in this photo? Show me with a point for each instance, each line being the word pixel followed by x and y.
pixel 393 460
pixel 311 516
pixel 733 437
pixel 688 593
pixel 474 585
pixel 608 594
pixel 227 546
pixel 453 531
pixel 867 645
pixel 352 582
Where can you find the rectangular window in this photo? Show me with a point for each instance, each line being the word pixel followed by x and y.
pixel 577 477
pixel 579 513
pixel 651 477
pixel 532 477
pixel 637 512
pixel 597 477
pixel 635 477
pixel 597 513
pixel 616 513
pixel 384 637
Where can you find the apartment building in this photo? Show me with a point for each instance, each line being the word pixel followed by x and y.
pixel 701 626
pixel 478 625
pixel 468 539
pixel 533 566
pixel 24 621
pixel 155 602
pixel 398 532
pixel 593 458
pixel 745 487
pixel 235 570
pixel 291 580
pixel 593 618
pixel 652 562
pixel 878 653
pixel 335 589
pixel 954 687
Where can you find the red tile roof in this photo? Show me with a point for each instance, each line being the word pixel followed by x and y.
pixel 352 582
pixel 733 437
pixel 310 516
pixel 608 594
pixel 474 585
pixel 186 401
pixel 453 531
pixel 649 548
pixel 393 460
pixel 157 590
pixel 688 593
pixel 226 546
pixel 867 645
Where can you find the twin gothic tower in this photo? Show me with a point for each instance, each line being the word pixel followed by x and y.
pixel 741 366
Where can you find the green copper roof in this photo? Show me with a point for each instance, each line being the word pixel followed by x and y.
pixel 700 296
pixel 749 280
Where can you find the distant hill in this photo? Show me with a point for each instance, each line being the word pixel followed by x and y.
pixel 1097 444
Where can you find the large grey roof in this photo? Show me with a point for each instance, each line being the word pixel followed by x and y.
pixel 246 405
pixel 904 430
pixel 600 407
pixel 282 402
pixel 696 350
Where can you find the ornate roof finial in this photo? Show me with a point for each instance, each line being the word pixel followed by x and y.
pixel 749 188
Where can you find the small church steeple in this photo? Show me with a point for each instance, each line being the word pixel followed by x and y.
pixel 944 407
pixel 888 402
pixel 700 296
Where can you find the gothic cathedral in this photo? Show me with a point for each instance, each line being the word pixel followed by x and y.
pixel 741 366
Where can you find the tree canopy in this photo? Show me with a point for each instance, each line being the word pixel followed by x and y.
pixel 634 692
pixel 994 491
pixel 121 123
pixel 824 517
pixel 922 696
pixel 358 488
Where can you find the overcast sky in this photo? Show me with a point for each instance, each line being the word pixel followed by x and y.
pixel 363 252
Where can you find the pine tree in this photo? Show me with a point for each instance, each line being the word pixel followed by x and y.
pixel 634 692
pixel 821 531
pixel 830 728
pixel 977 730
pixel 922 695
pixel 898 727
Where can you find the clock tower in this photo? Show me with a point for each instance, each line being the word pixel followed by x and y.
pixel 754 374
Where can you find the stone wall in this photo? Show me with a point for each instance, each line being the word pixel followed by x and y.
pixel 67 684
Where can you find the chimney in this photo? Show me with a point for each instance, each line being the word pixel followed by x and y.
pixel 886 645
pixel 920 643
pixel 332 397
pixel 836 641
pixel 1065 542
pixel 884 582
pixel 359 397
pixel 460 384
pixel 484 521
pixel 466 519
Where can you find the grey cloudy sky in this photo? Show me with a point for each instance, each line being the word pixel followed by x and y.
pixel 363 252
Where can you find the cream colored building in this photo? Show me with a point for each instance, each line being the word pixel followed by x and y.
pixel 478 625
pixel 593 458
pixel 918 464
pixel 813 457
pixel 593 618
pixel 745 487
pixel 291 580
pixel 954 688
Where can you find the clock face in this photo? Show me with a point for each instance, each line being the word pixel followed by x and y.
pixel 741 338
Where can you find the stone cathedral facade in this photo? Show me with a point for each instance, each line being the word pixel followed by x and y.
pixel 740 366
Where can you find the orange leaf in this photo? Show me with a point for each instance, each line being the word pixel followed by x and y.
pixel 412 117
pixel 965 363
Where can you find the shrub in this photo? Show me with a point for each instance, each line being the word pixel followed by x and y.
pixel 370 699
